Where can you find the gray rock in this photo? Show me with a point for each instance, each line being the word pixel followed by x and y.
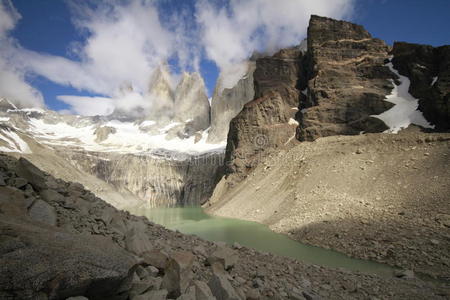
pixel 77 298
pixel 406 274
pixel 43 212
pixel 103 132
pixel 156 258
pixel 30 172
pixel 137 242
pixel 18 182
pixel 52 196
pixel 202 291
pixel 2 179
pixel 225 256
pixel 189 294
pixel 152 295
pixel 221 288
pixel 178 273
pixel 141 287
pixel 152 271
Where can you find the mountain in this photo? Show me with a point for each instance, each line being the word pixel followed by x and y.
pixel 122 161
pixel 345 146
pixel 226 103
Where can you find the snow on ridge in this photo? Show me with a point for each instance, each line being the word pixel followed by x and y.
pixel 14 141
pixel 128 138
pixel 404 112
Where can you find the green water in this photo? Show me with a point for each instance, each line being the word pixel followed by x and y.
pixel 193 220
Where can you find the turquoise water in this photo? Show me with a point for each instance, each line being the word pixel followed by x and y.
pixel 193 220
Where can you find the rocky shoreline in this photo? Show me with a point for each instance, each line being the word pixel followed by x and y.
pixel 60 241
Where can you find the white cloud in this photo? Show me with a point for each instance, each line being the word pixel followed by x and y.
pixel 126 40
pixel 231 34
pixel 12 80
pixel 87 106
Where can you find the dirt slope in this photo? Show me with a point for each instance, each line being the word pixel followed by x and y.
pixel 382 197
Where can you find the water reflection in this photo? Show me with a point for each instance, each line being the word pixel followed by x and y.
pixel 193 220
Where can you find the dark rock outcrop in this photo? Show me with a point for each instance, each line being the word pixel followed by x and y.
pixel 428 68
pixel 266 122
pixel 347 81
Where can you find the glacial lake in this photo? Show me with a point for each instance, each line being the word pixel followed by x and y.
pixel 193 220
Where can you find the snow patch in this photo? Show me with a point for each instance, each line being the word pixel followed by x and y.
pixel 434 80
pixel 4 119
pixel 404 112
pixel 292 122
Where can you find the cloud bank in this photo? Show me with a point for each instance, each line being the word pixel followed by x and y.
pixel 126 41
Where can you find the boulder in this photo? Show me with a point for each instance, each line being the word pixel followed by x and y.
pixel 18 182
pixel 178 273
pixel 225 256
pixel 30 172
pixel 35 258
pixel 152 295
pixel 202 291
pixel 43 212
pixel 137 241
pixel 156 258
pixel 221 288
pixel 52 196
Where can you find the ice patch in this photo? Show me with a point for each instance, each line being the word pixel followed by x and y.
pixel 434 80
pixel 147 123
pixel 404 112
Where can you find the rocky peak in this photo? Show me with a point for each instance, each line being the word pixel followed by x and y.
pixel 346 81
pixel 227 103
pixel 191 102
pixel 5 104
pixel 161 94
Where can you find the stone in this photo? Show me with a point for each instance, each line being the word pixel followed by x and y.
pixel 225 256
pixel 202 291
pixel 12 202
pixel 152 295
pixel 141 272
pixel 156 258
pixel 18 182
pixel 43 212
pixel 77 298
pixel 51 196
pixel 103 132
pixel 443 219
pixel 189 294
pixel 143 286
pixel 252 294
pixel 2 179
pixel 152 271
pixel 137 242
pixel 30 172
pixel 221 288
pixel 178 272
pixel 406 274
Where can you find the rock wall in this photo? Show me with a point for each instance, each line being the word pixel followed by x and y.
pixel 428 68
pixel 169 180
pixel 347 81
pixel 227 103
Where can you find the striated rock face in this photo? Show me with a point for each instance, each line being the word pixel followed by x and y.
pixel 428 68
pixel 169 180
pixel 266 123
pixel 191 102
pixel 162 96
pixel 347 81
pixel 227 103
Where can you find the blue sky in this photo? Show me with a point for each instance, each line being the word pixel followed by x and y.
pixel 47 27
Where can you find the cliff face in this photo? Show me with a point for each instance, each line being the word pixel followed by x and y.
pixel 428 68
pixel 227 103
pixel 266 122
pixel 347 81
pixel 169 180
pixel 191 103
